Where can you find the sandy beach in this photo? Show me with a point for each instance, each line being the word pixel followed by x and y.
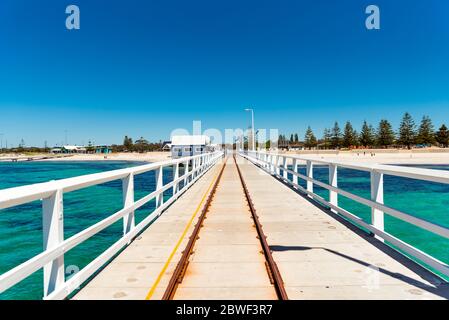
pixel 143 157
pixel 382 156
pixel 134 156
pixel 416 156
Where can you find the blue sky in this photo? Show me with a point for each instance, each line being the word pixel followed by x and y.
pixel 144 68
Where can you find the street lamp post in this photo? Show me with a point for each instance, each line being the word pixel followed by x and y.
pixel 253 135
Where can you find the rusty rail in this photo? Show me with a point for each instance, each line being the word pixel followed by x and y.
pixel 273 271
pixel 181 267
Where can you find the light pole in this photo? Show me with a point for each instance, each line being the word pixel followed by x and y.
pixel 253 135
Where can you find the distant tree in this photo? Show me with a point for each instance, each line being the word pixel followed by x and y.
pixel 142 145
pixel 426 132
pixel 356 142
pixel 128 143
pixel 349 136
pixel 367 135
pixel 336 136
pixel 268 145
pixel 310 139
pixel 292 139
pixel 385 134
pixel 442 136
pixel 327 136
pixel 281 141
pixel 407 131
pixel 296 138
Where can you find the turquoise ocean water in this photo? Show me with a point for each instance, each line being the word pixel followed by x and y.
pixel 21 226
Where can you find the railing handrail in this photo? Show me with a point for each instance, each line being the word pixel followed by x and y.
pixel 15 196
pixel 51 193
pixel 270 162
pixel 394 170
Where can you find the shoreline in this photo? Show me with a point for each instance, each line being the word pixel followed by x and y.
pixel 391 157
pixel 132 157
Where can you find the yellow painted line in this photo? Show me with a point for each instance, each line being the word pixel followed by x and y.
pixel 158 279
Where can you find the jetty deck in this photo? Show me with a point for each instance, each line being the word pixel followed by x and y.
pixel 318 254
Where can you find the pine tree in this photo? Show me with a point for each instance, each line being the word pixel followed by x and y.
pixel 128 143
pixel 268 145
pixel 385 134
pixel 281 140
pixel 292 139
pixel 349 136
pixel 407 131
pixel 367 135
pixel 310 139
pixel 442 136
pixel 356 141
pixel 336 136
pixel 296 138
pixel 327 136
pixel 426 133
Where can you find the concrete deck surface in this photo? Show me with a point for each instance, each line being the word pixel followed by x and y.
pixel 133 273
pixel 227 262
pixel 320 256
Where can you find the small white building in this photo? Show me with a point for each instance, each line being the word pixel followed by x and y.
pixel 69 149
pixel 189 145
pixel 166 146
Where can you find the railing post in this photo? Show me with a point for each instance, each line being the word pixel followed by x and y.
pixel 128 199
pixel 53 235
pixel 194 165
pixel 295 169
pixel 186 172
pixel 175 177
pixel 309 173
pixel 333 196
pixel 278 162
pixel 377 195
pixel 284 165
pixel 159 185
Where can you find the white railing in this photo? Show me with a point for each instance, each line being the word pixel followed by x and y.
pixel 274 163
pixel 55 246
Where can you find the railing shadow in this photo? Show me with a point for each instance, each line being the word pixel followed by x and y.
pixel 441 286
pixel 441 290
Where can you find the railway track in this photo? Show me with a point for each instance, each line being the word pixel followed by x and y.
pixel 181 270
pixel 273 271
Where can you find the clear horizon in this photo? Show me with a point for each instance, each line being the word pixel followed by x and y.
pixel 146 68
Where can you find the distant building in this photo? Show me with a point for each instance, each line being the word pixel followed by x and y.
pixel 189 145
pixel 166 146
pixel 69 149
pixel 103 149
